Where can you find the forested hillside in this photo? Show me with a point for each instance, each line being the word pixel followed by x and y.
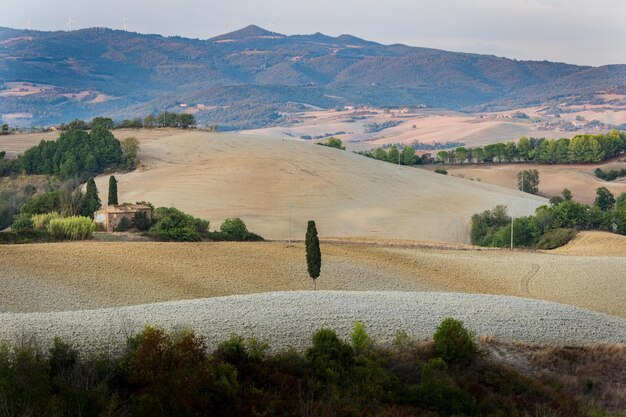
pixel 246 78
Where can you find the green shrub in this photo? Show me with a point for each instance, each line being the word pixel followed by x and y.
pixel 22 222
pixel 362 343
pixel 441 171
pixel 142 221
pixel 253 237
pixel 439 391
pixel 173 224
pixel 44 203
pixel 124 225
pixel 556 238
pixel 71 228
pixel 236 228
pixel 40 221
pixel 453 342
pixel 330 357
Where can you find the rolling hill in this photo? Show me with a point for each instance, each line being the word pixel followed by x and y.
pixel 217 176
pixel 246 78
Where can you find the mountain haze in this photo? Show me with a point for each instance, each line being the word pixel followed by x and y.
pixel 246 78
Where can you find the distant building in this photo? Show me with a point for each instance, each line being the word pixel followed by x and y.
pixel 109 218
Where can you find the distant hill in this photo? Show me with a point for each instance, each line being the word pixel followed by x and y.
pixel 246 78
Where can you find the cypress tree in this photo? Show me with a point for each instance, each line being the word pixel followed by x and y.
pixel 92 201
pixel 313 253
pixel 112 191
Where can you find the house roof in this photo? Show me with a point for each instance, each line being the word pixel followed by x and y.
pixel 125 208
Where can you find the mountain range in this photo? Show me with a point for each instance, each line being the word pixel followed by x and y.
pixel 251 77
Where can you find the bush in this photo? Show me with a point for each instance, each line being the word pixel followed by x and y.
pixel 453 342
pixel 556 238
pixel 330 357
pixel 362 343
pixel 124 225
pixel 441 171
pixel 172 224
pixel 40 221
pixel 142 221
pixel 22 222
pixel 71 228
pixel 236 228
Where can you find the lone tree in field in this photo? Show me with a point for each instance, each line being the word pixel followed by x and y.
pixel 91 202
pixel 528 181
pixel 112 191
pixel 313 253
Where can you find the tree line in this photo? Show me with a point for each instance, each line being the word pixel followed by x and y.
pixel 163 119
pixel 579 149
pixel 551 226
pixel 394 155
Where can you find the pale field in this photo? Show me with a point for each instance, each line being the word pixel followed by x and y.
pixel 18 143
pixel 434 125
pixel 86 275
pixel 217 176
pixel 440 126
pixel 579 179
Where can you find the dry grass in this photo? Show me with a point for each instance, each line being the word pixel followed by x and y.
pixel 100 274
pixel 579 179
pixel 216 176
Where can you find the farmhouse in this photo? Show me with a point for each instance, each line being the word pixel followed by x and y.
pixel 110 217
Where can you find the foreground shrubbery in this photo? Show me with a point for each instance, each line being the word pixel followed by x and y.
pixel 551 226
pixel 71 228
pixel 163 374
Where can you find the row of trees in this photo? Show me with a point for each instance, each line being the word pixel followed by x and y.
pixel 551 226
pixel 164 119
pixel 394 155
pixel 579 149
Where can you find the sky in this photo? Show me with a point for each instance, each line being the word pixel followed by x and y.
pixel 586 32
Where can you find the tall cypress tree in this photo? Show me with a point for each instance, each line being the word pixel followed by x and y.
pixel 112 191
pixel 91 201
pixel 313 253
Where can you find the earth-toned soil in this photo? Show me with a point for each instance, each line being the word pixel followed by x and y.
pixel 579 179
pixel 85 275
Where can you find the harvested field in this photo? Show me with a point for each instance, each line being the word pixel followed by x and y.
pixel 595 244
pixel 216 176
pixel 85 275
pixel 579 179
pixel 289 319
pixel 15 144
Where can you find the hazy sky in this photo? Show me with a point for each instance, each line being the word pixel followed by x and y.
pixel 591 32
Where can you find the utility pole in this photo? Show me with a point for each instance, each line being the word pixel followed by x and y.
pixel 290 206
pixel 512 221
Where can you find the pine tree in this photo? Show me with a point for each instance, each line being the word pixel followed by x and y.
pixel 313 253
pixel 112 191
pixel 91 201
